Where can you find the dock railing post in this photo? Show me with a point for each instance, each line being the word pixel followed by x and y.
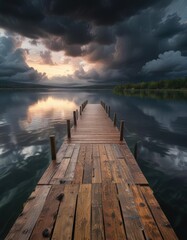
pixel 74 118
pixel 121 130
pixel 115 118
pixel 53 147
pixel 68 129
pixel 136 150
pixel 80 110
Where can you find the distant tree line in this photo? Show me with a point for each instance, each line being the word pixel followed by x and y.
pixel 163 84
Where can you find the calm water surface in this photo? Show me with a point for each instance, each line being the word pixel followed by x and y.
pixel 28 118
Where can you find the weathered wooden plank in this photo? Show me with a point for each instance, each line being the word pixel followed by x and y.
pixel 96 176
pixel 24 225
pixel 88 167
pixel 95 137
pixel 48 174
pixel 63 229
pixel 69 175
pixel 95 150
pixel 131 218
pixel 117 152
pixel 96 165
pixel 160 218
pixel 61 152
pixel 116 175
pixel 79 169
pixel 137 174
pixel 114 228
pixel 60 173
pixel 105 165
pixel 104 141
pixel 69 151
pixel 150 227
pixel 45 223
pixel 97 214
pixel 83 213
pixel 110 152
pixel 124 171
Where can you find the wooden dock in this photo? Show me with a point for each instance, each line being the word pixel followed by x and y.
pixel 94 190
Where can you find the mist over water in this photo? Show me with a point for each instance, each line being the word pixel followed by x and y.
pixel 27 119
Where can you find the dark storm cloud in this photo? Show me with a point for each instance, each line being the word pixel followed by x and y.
pixel 168 64
pixel 126 37
pixel 170 27
pixel 13 64
pixel 101 12
pixel 57 44
pixel 69 18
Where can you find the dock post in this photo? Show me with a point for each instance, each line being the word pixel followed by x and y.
pixel 121 130
pixel 68 129
pixel 80 110
pixel 136 150
pixel 77 113
pixel 53 147
pixel 109 111
pixel 104 105
pixel 106 109
pixel 74 118
pixel 115 118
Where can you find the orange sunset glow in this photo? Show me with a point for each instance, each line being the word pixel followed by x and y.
pixel 52 70
pixel 47 108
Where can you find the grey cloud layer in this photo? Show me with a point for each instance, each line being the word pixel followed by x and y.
pixel 12 62
pixel 124 36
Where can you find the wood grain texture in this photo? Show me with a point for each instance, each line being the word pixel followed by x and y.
pixel 65 219
pixel 97 213
pixel 161 220
pixel 24 225
pixel 48 215
pixel 131 217
pixel 83 213
pixel 150 227
pixel 49 173
pixel 113 222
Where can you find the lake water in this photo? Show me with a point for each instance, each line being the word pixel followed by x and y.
pixel 27 119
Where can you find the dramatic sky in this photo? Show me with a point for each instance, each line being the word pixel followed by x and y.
pixel 92 41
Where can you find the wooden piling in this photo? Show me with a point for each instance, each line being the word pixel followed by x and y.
pixel 121 130
pixel 136 150
pixel 74 118
pixel 80 111
pixel 53 147
pixel 77 114
pixel 115 118
pixel 109 111
pixel 68 129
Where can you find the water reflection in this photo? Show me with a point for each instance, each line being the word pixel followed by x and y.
pixel 43 111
